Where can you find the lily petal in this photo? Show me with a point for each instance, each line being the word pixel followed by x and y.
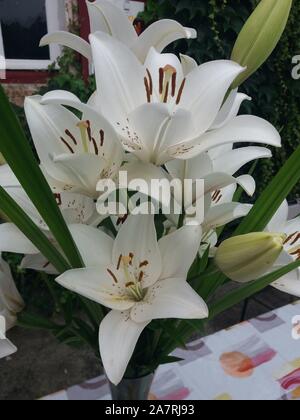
pixel 279 220
pixel 242 129
pixel 7 177
pixel 159 35
pixel 38 262
pixel 170 298
pixel 22 199
pixel 205 89
pixel 222 214
pixel 233 160
pixel 196 168
pixel 118 337
pixel 177 257
pixel 188 64
pixel 248 183
pixel 11 302
pixel 230 109
pixel 119 76
pixel 94 245
pixel 77 208
pixel 157 130
pixel 217 181
pixel 97 285
pixel 107 17
pixel 13 240
pixel 106 142
pixel 292 226
pixel 69 40
pixel 289 284
pixel 6 347
pixel 48 124
pixel 144 248
pixel 84 170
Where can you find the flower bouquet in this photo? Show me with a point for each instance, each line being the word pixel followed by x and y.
pixel 126 205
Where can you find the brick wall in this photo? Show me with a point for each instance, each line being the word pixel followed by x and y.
pixel 17 91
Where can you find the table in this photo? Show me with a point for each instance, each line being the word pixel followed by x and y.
pixel 256 360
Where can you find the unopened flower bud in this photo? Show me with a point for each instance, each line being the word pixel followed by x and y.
pixel 247 257
pixel 260 35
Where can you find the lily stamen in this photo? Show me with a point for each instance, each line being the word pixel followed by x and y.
pixel 167 77
pixel 67 145
pixel 101 138
pixel 69 134
pixel 112 275
pixel 119 262
pixel 180 92
pixel 290 237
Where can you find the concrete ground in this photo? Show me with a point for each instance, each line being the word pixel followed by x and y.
pixel 42 366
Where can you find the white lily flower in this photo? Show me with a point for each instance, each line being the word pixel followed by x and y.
pixel 75 208
pixel 161 113
pixel 220 208
pixel 217 169
pixel 291 228
pixel 11 304
pixel 108 18
pixel 74 153
pixel 137 277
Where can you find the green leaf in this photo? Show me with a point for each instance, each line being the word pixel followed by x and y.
pixel 260 35
pixel 169 328
pixel 17 152
pixel 17 216
pixel 166 360
pixel 27 320
pixel 249 290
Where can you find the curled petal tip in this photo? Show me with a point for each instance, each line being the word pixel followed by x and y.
pixel 191 33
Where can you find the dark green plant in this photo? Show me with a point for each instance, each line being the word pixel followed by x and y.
pixel 275 93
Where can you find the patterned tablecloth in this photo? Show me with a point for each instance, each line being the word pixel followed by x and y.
pixel 255 360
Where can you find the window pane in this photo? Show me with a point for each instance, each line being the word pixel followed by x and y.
pixel 23 23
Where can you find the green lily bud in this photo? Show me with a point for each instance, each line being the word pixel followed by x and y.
pixel 260 35
pixel 247 257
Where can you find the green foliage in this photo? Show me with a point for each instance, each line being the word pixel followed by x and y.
pixel 275 94
pixel 66 74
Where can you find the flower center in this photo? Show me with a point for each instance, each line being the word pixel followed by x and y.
pixel 168 85
pixel 87 139
pixel 133 276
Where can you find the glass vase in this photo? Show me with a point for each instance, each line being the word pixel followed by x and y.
pixel 132 389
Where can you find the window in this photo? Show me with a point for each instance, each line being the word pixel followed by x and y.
pixel 22 24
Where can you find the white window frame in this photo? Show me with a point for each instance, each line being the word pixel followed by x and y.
pixel 56 21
